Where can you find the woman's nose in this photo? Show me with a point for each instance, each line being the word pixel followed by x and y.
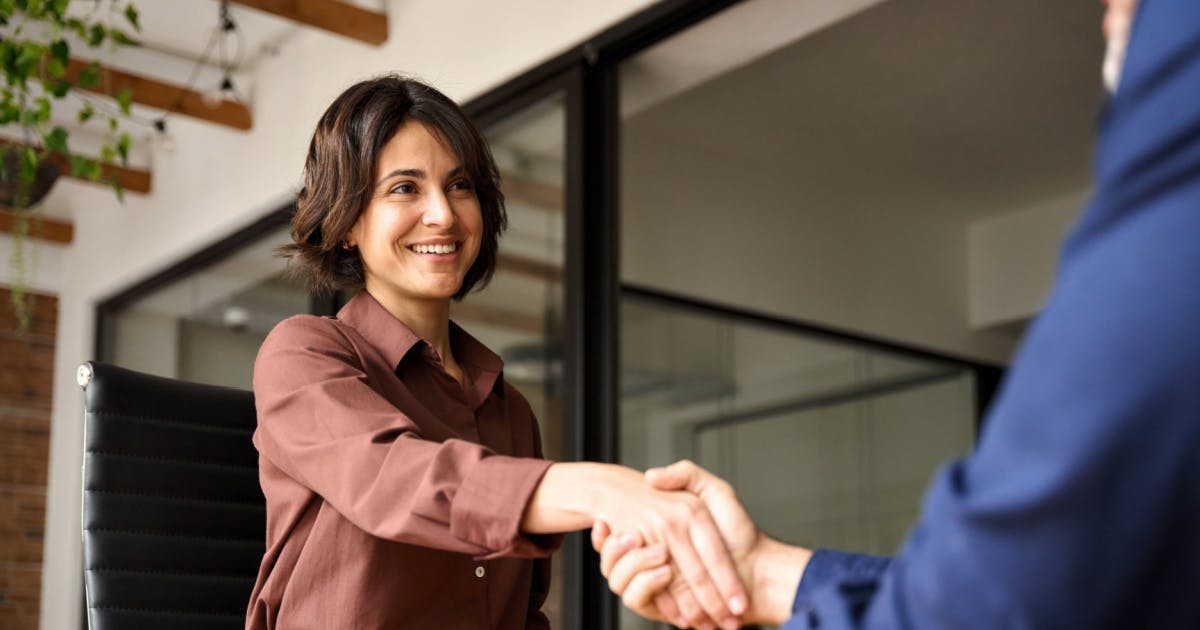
pixel 438 212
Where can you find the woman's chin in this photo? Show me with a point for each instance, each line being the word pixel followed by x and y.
pixel 438 292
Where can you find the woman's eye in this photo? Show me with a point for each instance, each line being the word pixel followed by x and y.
pixel 461 184
pixel 403 189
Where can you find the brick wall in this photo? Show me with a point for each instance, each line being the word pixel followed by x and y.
pixel 26 363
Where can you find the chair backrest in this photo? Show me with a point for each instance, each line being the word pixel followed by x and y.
pixel 174 519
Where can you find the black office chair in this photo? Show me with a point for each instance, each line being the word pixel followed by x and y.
pixel 173 515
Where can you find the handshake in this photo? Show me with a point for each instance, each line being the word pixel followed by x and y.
pixel 704 565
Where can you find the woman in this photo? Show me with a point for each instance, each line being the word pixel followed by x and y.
pixel 404 481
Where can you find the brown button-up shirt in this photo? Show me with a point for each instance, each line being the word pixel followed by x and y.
pixel 394 493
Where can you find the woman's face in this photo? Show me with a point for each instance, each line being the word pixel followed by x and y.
pixel 420 233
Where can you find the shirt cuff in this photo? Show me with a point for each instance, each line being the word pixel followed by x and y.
pixel 827 566
pixel 488 507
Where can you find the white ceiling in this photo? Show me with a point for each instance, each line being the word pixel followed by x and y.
pixel 182 28
pixel 963 107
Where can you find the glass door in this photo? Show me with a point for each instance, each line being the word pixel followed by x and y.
pixel 520 313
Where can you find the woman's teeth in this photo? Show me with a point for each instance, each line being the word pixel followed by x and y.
pixel 435 249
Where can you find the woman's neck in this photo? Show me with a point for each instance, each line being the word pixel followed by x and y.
pixel 428 319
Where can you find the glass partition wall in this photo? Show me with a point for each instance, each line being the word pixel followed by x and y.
pixel 829 442
pixel 206 324
pixel 520 313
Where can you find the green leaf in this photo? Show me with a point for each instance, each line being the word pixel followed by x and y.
pixel 107 153
pixel 56 68
pixel 121 38
pixel 56 140
pixel 86 113
pixel 131 14
pixel 29 164
pixel 96 35
pixel 27 60
pixel 112 123
pixel 125 100
pixel 59 6
pixel 81 166
pixel 61 51
pixel 90 169
pixel 89 76
pixel 43 109
pixel 123 148
pixel 77 26
pixel 60 89
pixel 117 190
pixel 9 112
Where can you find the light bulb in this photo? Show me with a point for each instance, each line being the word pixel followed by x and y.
pixel 235 317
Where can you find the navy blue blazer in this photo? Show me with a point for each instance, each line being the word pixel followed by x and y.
pixel 1081 506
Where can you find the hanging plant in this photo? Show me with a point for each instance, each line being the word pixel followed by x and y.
pixel 36 39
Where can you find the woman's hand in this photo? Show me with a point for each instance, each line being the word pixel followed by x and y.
pixel 646 582
pixel 771 569
pixel 679 521
pixel 639 575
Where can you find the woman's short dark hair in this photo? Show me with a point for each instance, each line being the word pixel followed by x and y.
pixel 340 171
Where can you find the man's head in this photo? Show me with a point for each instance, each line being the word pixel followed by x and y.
pixel 1118 22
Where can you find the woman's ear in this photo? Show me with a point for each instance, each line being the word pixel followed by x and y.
pixel 350 241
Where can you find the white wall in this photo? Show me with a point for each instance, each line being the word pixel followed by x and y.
pixel 147 342
pixel 1013 259
pixel 704 224
pixel 217 180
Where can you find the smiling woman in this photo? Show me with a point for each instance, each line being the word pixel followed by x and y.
pixel 403 475
pixel 420 233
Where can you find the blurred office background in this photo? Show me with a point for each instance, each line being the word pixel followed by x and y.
pixel 796 242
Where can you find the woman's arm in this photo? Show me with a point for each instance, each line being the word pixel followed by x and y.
pixel 575 495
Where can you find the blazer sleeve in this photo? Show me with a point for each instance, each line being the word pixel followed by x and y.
pixel 322 424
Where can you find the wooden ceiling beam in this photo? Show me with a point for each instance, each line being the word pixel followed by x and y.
pixel 165 96
pixel 131 179
pixel 47 229
pixel 335 16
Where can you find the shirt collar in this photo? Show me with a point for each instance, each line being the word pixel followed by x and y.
pixel 395 341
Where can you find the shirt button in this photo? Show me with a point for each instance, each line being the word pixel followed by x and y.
pixel 479 572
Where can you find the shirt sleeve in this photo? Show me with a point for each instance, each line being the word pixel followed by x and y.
pixel 322 424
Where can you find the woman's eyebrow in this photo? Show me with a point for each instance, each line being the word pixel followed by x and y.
pixel 417 173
